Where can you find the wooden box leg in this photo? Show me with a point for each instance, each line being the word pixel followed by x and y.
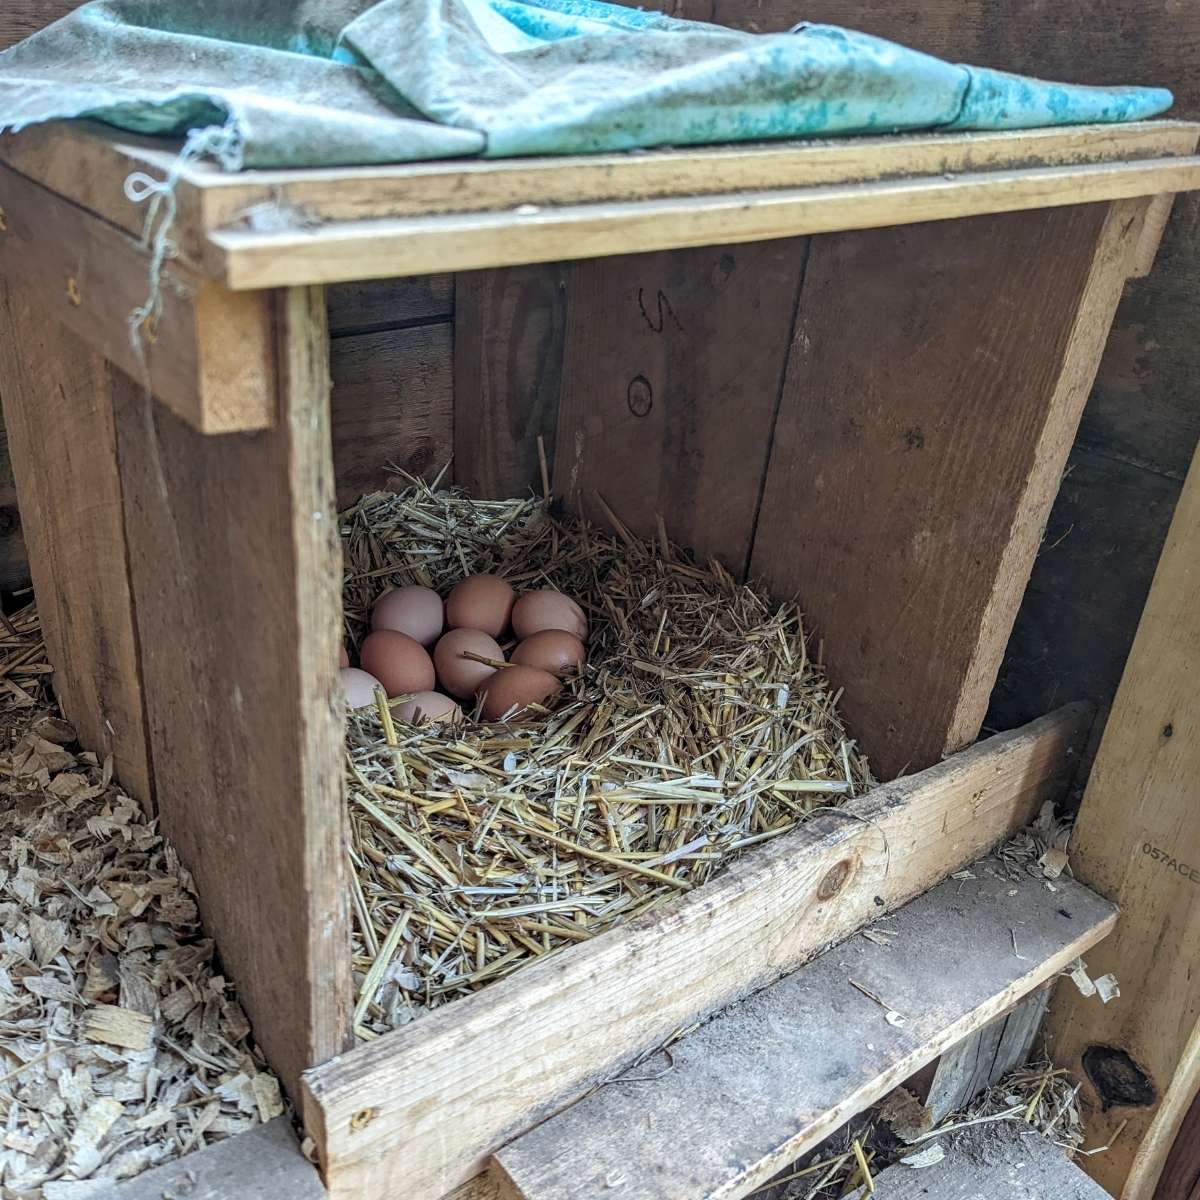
pixel 236 575
pixel 1137 842
pixel 58 412
pixel 936 379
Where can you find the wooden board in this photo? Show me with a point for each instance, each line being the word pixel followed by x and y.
pixel 1180 1179
pixel 983 1059
pixel 341 250
pixel 20 18
pixel 392 407
pixel 264 1162
pixel 935 384
pixel 1015 1163
pixel 732 1103
pixel 375 305
pixel 87 164
pixel 59 418
pixel 673 369
pixel 1138 841
pixel 203 358
pixel 509 333
pixel 417 1111
pixel 235 567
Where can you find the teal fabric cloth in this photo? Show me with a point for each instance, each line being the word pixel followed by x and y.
pixel 338 82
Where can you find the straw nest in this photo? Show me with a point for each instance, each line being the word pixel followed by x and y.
pixel 700 727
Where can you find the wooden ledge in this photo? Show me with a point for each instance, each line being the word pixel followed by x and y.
pixel 737 1100
pixel 274 228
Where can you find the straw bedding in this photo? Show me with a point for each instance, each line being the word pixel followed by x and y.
pixel 701 726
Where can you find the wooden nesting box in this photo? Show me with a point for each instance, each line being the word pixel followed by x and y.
pixel 851 369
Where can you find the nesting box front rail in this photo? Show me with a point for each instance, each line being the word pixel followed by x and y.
pixel 416 1112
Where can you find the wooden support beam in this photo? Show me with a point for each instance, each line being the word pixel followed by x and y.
pixel 58 411
pixel 417 1111
pixel 732 1103
pixel 205 357
pixel 919 447
pixel 231 538
pixel 1138 841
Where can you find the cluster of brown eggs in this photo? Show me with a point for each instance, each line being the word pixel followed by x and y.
pixel 467 659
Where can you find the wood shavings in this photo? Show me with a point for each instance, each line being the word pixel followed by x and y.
pixel 105 1071
pixel 700 727
pixel 118 1027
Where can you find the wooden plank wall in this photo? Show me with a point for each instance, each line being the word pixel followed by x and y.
pixel 1142 423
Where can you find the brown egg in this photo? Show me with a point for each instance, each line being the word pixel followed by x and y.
pixel 428 708
pixel 461 676
pixel 358 686
pixel 399 662
pixel 343 658
pixel 547 609
pixel 515 688
pixel 416 611
pixel 480 602
pixel 552 650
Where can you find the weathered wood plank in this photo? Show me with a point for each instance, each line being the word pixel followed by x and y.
pixel 59 417
pixel 263 1162
pixel 918 449
pixel 1019 1164
pixel 230 539
pixel 1137 840
pixel 416 1112
pixel 20 18
pixel 458 241
pixel 205 356
pixel 374 305
pixel 984 1058
pixel 393 406
pixel 509 333
pixel 673 368
pixel 732 1103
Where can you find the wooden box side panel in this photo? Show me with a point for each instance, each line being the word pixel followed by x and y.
pixel 936 380
pixel 59 420
pixel 235 569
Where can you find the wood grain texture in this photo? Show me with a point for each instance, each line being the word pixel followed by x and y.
pixel 1137 841
pixel 673 369
pixel 235 567
pixel 392 407
pixel 733 1102
pixel 509 335
pixel 925 451
pixel 263 1162
pixel 1019 1164
pixel 983 1059
pixel 338 251
pixel 1180 1179
pixel 374 305
pixel 58 413
pixel 417 1112
pixel 204 358
pixel 21 18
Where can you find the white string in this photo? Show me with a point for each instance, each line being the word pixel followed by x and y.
pixel 222 142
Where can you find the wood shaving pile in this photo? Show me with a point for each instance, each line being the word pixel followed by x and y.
pixel 700 727
pixel 121 1047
